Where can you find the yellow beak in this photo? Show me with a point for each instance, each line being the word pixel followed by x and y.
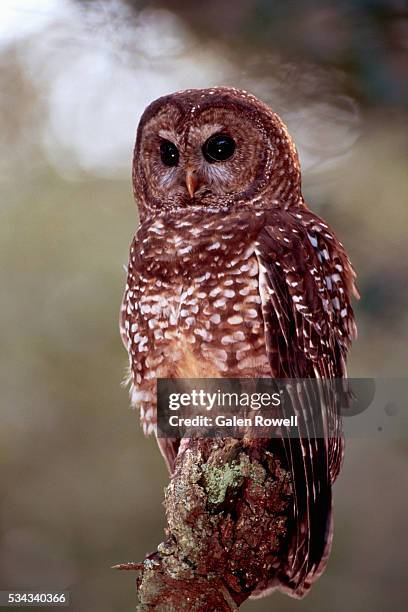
pixel 191 181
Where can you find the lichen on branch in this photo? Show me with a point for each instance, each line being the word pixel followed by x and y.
pixel 227 508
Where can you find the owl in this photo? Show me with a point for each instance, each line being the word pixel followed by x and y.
pixel 231 275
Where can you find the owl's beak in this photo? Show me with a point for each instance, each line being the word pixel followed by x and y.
pixel 191 181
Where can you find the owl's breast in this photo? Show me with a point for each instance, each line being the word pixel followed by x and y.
pixel 207 326
pixel 193 303
pixel 194 241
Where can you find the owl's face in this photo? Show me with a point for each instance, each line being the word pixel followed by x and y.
pixel 210 148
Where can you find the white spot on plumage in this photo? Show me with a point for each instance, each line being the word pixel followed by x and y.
pixel 204 334
pixel 185 250
pixel 253 298
pixel 212 247
pixel 214 292
pixel 202 278
pixel 141 396
pixel 235 320
pixel 252 362
pixel 328 281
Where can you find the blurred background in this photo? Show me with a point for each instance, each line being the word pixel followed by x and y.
pixel 81 489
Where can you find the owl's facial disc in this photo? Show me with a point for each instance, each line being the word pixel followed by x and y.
pixel 212 148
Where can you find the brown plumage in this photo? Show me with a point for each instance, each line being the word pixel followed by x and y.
pixel 231 275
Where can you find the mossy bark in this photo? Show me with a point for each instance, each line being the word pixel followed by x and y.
pixel 227 508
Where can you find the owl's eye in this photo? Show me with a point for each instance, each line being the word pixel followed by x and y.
pixel 169 153
pixel 219 147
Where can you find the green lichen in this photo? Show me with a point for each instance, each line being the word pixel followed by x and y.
pixel 218 479
pixel 256 473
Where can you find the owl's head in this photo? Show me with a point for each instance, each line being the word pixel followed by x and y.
pixel 212 148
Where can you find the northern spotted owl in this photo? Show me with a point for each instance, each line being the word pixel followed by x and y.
pixel 231 275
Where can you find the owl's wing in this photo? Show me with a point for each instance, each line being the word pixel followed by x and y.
pixel 306 282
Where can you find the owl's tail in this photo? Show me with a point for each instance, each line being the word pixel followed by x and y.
pixel 287 582
pixel 311 525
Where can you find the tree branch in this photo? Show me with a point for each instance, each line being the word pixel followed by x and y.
pixel 227 508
